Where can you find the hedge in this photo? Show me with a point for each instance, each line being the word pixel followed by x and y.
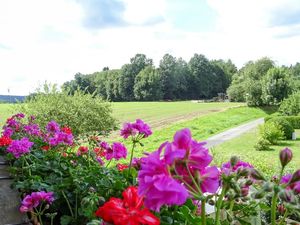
pixel 293 120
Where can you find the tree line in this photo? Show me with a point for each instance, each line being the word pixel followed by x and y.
pixel 174 79
pixel 258 82
pixel 261 82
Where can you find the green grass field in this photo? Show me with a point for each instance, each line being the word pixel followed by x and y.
pixel 267 161
pixel 157 114
pixel 161 114
pixel 203 127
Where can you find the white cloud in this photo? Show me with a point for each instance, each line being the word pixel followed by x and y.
pixel 46 40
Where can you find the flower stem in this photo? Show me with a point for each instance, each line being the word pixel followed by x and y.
pixel 219 204
pixel 68 203
pixel 193 179
pixel 203 213
pixel 131 157
pixel 273 209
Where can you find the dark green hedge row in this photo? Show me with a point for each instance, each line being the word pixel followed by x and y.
pixel 293 120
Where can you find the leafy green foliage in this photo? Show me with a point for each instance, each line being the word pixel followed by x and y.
pixel 200 78
pixel 147 85
pixel 272 132
pixel 291 105
pixel 285 126
pixel 262 145
pixel 82 112
pixel 275 86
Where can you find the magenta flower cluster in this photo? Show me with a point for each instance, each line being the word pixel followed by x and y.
pixel 19 147
pixel 116 151
pixel 227 168
pixel 57 136
pixel 35 199
pixel 295 186
pixel 167 175
pixel 137 129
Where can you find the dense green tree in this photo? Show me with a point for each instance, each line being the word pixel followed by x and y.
pixel 167 73
pixel 182 80
pixel 147 85
pixel 275 86
pixel 128 74
pixel 201 73
pixel 247 82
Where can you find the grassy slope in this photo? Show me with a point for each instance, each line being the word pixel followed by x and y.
pixel 5 112
pixel 203 127
pixel 268 161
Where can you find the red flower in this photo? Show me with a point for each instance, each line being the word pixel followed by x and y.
pixel 128 211
pixel 66 130
pixel 82 150
pixel 5 141
pixel 99 152
pixel 45 148
pixel 122 167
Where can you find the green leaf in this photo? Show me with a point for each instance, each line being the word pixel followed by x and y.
pixel 66 220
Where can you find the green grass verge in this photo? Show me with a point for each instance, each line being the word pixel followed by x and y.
pixel 267 161
pixel 203 127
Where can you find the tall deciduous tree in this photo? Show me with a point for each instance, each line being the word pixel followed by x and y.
pixel 147 85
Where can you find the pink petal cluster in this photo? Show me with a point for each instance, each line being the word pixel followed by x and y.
pixel 20 147
pixel 138 128
pixel 157 184
pixel 182 157
pixel 34 199
pixel 116 151
pixel 294 186
pixel 57 136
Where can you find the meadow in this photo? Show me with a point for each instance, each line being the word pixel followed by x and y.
pixel 162 114
pixel 157 114
pixel 267 161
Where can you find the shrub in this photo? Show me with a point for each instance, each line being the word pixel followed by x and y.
pixel 82 112
pixel 286 126
pixel 262 145
pixel 272 132
pixel 293 120
pixel 291 105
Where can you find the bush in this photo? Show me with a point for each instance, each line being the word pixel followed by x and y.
pixel 291 105
pixel 286 126
pixel 293 120
pixel 262 145
pixel 272 132
pixel 82 112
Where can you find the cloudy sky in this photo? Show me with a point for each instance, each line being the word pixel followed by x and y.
pixel 54 39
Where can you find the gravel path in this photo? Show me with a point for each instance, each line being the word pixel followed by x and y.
pixel 232 133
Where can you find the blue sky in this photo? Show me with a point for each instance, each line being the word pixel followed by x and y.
pixel 54 39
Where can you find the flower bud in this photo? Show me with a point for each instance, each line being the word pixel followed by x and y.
pixel 244 191
pixel 258 195
pixel 235 187
pixel 285 195
pixel 268 187
pixel 248 182
pixel 281 209
pixel 243 172
pixel 211 202
pixel 255 174
pixel 285 156
pixel 234 160
pixel 295 177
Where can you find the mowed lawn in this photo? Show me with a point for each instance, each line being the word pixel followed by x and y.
pixel 161 114
pixel 267 161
